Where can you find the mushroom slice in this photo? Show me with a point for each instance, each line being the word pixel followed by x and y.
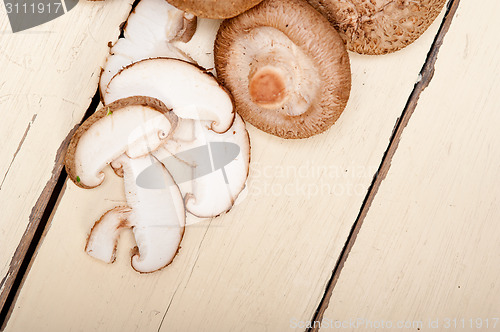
pixel 103 237
pixel 155 21
pixel 135 126
pixel 150 30
pixel 158 215
pixel 185 88
pixel 286 68
pixel 382 26
pixel 215 9
pixel 215 193
pixel 210 171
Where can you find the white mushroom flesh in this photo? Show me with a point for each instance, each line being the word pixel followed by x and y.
pixel 103 238
pixel 184 88
pixel 157 204
pixel 135 130
pixel 201 46
pixel 271 53
pixel 158 215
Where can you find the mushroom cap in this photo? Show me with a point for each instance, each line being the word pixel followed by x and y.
pixel 135 126
pixel 380 26
pixel 287 69
pixel 214 8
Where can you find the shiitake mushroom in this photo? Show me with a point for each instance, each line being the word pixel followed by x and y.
pixel 286 67
pixel 379 26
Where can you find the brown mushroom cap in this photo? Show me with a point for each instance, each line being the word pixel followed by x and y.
pixel 379 26
pixel 286 68
pixel 214 8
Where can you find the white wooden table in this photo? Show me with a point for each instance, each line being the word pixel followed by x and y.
pixel 390 218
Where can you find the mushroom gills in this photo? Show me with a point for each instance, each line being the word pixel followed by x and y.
pixel 287 69
pixel 382 26
pixel 185 88
pixel 158 215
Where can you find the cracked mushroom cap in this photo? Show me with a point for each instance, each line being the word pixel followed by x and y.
pixel 286 68
pixel 214 8
pixel 134 126
pixel 379 26
pixel 153 29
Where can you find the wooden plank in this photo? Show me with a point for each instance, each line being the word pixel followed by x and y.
pixel 428 250
pixel 427 74
pixel 48 77
pixel 254 268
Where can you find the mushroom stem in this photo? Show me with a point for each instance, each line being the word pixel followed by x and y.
pixel 149 32
pixel 158 215
pixel 267 87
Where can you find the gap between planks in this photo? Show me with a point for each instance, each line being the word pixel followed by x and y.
pixel 426 75
pixel 39 221
pixel 41 215
pixel 47 203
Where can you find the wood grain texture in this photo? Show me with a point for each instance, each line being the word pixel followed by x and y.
pixel 429 248
pixel 49 75
pixel 265 262
pixel 427 74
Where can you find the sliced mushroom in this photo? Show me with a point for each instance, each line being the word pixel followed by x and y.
pixel 382 26
pixel 150 31
pixel 215 193
pixel 206 122
pixel 286 68
pixel 185 88
pixel 135 126
pixel 215 8
pixel 103 237
pixel 211 171
pixel 158 215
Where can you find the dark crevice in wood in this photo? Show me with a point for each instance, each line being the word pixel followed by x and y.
pixel 18 149
pixel 427 73
pixel 40 218
pixel 39 222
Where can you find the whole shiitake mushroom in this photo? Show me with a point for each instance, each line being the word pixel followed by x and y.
pixel 286 67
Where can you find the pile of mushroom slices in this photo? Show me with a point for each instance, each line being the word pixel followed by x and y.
pixel 169 129
pixel 286 62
